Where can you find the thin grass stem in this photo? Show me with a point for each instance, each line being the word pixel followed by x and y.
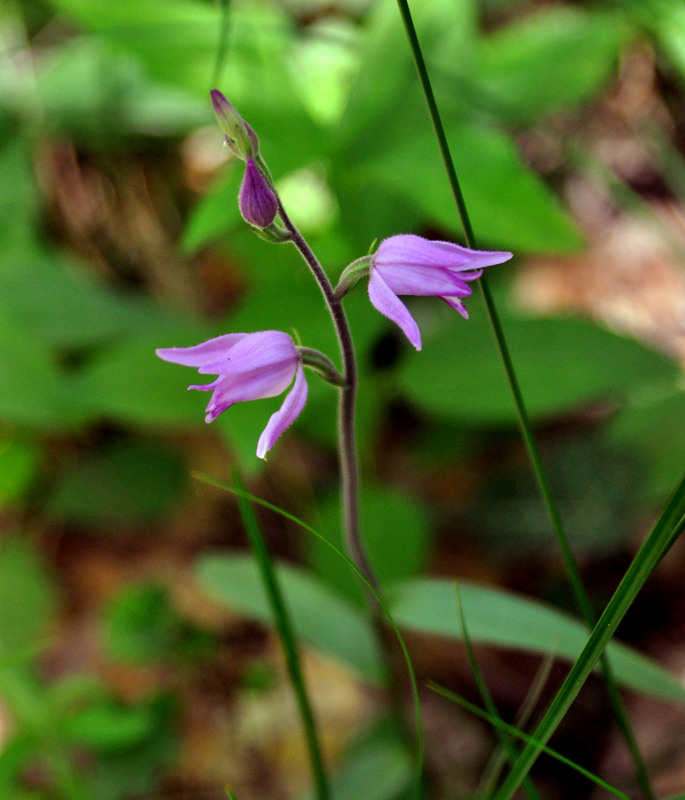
pixel 514 731
pixel 419 739
pixel 504 739
pixel 288 641
pixel 572 570
pixel 661 538
pixel 494 768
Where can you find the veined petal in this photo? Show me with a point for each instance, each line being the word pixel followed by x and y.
pixel 384 300
pixel 200 354
pixel 286 414
pixel 251 385
pixel 422 281
pixel 254 351
pixel 411 250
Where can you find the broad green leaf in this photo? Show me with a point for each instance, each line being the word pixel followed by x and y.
pixel 216 214
pixel 62 307
pixel 665 19
pixel 665 532
pixel 556 58
pixel 320 616
pixel 503 619
pixel 109 726
pixel 127 382
pixel 176 47
pixel 128 482
pixel 509 206
pixel 654 427
pixel 395 535
pixel 19 465
pixel 382 770
pixel 18 196
pixel 494 616
pixel 34 393
pixel 383 112
pixel 560 363
pixel 115 97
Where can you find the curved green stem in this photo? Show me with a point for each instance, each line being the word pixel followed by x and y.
pixel 572 570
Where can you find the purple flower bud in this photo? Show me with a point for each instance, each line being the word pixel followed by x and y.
pixel 249 366
pixel 257 200
pixel 408 264
pixel 239 136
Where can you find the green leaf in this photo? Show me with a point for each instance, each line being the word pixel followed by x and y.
pixel 665 19
pixel 556 58
pixel 508 204
pixel 503 619
pixel 128 482
pixel 109 726
pixel 177 46
pixel 115 97
pixel 18 195
pixel 127 382
pixel 654 427
pixel 561 364
pixel 27 597
pixel 217 213
pixel 142 626
pixel 319 615
pixel 382 113
pixel 19 465
pixel 55 301
pixel 380 771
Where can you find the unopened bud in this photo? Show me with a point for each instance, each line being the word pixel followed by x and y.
pixel 256 199
pixel 238 135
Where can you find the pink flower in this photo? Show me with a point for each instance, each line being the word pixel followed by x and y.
pixel 409 264
pixel 249 366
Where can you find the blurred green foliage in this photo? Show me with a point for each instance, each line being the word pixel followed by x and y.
pixel 58 722
pixel 89 416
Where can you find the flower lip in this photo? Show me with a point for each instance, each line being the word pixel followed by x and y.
pixel 249 366
pixel 411 265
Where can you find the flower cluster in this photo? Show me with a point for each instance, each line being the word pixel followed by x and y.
pixel 250 366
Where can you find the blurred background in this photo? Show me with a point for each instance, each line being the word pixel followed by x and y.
pixel 120 675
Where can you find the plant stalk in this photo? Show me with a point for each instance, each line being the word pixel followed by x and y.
pixel 581 596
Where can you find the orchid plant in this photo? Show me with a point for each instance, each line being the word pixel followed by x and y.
pixel 250 366
pixel 263 364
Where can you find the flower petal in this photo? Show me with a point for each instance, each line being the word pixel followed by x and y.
pixel 424 281
pixel 286 414
pixel 254 351
pixel 252 385
pixel 386 301
pixel 201 354
pixel 457 305
pixel 410 250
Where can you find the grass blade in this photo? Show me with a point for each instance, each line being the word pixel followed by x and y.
pixel 288 641
pixel 662 536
